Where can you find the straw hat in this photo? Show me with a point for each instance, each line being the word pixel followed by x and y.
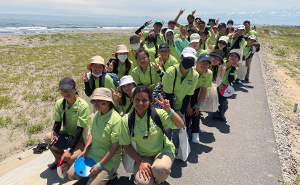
pixel 102 93
pixel 95 60
pixel 122 49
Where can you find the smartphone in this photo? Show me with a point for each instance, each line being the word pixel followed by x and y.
pixel 212 20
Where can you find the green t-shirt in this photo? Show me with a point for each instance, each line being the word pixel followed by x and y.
pixel 170 62
pixel 144 78
pixel 246 50
pixel 122 69
pixel 241 44
pixel 205 79
pixel 183 87
pixel 151 50
pixel 77 115
pixel 153 145
pixel 160 37
pixel 251 32
pixel 132 58
pixel 124 108
pixel 106 131
pixel 225 77
pixel 173 51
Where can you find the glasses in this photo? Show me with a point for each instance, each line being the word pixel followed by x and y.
pixel 65 90
pixel 142 59
pixel 207 64
pixel 221 28
pixel 221 42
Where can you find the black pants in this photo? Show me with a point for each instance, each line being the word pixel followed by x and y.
pixel 223 104
pixel 195 123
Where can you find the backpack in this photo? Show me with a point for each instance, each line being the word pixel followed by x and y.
pixel 102 79
pixel 153 115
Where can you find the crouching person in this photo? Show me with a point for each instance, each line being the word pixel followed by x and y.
pixel 71 115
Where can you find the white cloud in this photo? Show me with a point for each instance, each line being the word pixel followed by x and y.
pixel 242 13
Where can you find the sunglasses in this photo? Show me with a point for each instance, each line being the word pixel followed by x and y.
pixel 221 42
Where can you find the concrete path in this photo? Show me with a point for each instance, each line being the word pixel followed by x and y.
pixel 241 151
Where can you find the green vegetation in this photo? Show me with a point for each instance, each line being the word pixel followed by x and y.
pixel 33 129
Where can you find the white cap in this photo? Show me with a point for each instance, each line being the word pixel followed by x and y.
pixel 189 52
pixel 241 27
pixel 252 37
pixel 225 39
pixel 237 51
pixel 195 37
pixel 127 80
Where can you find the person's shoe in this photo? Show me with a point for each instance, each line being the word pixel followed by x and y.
pixel 114 176
pixel 247 79
pixel 237 80
pixel 223 119
pixel 195 138
pixel 53 166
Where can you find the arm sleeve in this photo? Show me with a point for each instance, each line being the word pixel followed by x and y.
pixel 76 137
pixel 185 103
pixel 87 89
pixel 57 126
pixel 231 75
pixel 162 73
pixel 169 96
pixel 140 29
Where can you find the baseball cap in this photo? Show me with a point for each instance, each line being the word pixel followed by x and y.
pixel 222 25
pixel 204 56
pixel 252 37
pixel 66 83
pixel 225 39
pixel 164 46
pixel 189 52
pixel 158 22
pixel 134 38
pixel 195 37
pixel 241 27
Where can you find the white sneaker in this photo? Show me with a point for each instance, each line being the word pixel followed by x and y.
pixel 195 137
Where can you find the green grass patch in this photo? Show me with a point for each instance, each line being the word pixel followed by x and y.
pixel 4 101
pixel 33 129
pixel 31 142
pixel 5 121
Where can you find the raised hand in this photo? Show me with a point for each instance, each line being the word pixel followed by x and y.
pixel 232 36
pixel 156 67
pixel 164 103
pixel 193 12
pixel 116 94
pixel 181 11
pixel 148 23
pixel 182 37
pixel 211 45
pixel 162 22
pixel 84 77
pixel 160 61
pixel 195 27
pixel 141 34
pixel 112 54
pixel 110 66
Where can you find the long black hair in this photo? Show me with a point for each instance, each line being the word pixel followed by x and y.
pixel 225 49
pixel 123 97
pixel 143 89
pixel 116 65
pixel 155 42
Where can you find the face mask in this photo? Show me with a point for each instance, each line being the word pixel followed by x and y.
pixel 187 63
pixel 96 75
pixel 135 46
pixel 229 25
pixel 122 58
pixel 150 38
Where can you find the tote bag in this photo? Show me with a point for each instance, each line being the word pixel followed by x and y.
pixel 211 101
pixel 184 145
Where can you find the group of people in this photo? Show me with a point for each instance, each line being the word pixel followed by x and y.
pixel 120 94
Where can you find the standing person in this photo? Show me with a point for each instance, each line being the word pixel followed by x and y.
pixel 165 60
pixel 150 44
pixel 156 26
pixel 248 30
pixel 195 43
pixel 73 113
pixel 236 39
pixel 145 73
pixel 135 45
pixel 121 66
pixel 229 27
pixel 229 76
pixel 221 32
pixel 155 153
pixel 185 83
pixel 248 52
pixel 103 142
pixel 176 44
pixel 125 104
pixel 190 19
pixel 171 25
pixel 204 81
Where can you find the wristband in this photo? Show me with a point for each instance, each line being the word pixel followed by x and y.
pixel 160 73
pixel 54 131
pixel 221 77
pixel 171 113
pixel 99 166
pixel 197 106
pixel 231 73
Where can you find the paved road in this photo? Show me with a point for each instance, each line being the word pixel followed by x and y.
pixel 241 151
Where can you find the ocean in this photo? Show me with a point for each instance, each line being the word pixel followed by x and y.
pixel 31 26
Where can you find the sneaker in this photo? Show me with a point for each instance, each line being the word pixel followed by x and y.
pixel 223 119
pixel 53 166
pixel 195 138
pixel 216 116
pixel 237 80
pixel 114 176
pixel 247 79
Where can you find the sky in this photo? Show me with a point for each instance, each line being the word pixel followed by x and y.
pixel 274 12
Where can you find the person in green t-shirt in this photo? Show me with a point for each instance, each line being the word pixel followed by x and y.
pixel 248 52
pixel 127 84
pixel 183 33
pixel 176 44
pixel 195 43
pixel 150 44
pixel 204 81
pixel 171 25
pixel 236 39
pixel 156 26
pixel 248 30
pixel 190 19
pixel 229 76
pixel 154 153
pixel 221 32
pixel 165 60
pixel 135 45
pixel 206 42
pixel 103 141
pixel 121 66
pixel 72 114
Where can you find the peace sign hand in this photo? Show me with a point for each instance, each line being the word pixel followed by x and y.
pixel 116 95
pixel 110 66
pixel 162 22
pixel 141 34
pixel 148 23
pixel 160 61
pixel 182 37
pixel 156 67
pixel 211 45
pixel 164 103
pixel 84 77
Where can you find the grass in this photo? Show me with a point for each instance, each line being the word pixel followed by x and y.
pixel 31 141
pixel 33 129
pixel 5 121
pixel 4 101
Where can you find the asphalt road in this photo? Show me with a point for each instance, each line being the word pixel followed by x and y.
pixel 241 151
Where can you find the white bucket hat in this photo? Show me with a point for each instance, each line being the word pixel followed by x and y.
pixel 126 80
